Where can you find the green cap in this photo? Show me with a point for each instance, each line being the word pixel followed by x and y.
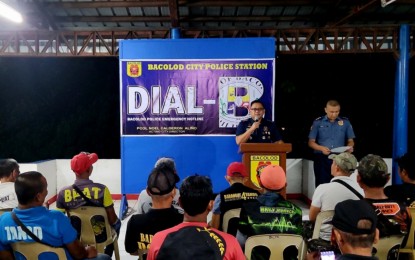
pixel 346 161
pixel 372 166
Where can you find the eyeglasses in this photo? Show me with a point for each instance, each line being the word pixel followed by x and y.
pixel 257 109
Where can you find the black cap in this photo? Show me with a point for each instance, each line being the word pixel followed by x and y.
pixel 161 182
pixel 348 213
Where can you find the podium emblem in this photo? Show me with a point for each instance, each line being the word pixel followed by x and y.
pixel 258 162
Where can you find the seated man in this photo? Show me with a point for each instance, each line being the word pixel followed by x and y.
pixel 9 170
pixel 404 192
pixel 232 197
pixel 372 177
pixel 96 194
pixel 194 239
pixel 327 195
pixel 354 230
pixel 50 226
pixel 162 215
pixel 270 213
pixel 144 202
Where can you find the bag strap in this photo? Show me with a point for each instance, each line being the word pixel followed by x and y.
pixel 379 213
pixel 85 197
pixel 349 187
pixel 33 236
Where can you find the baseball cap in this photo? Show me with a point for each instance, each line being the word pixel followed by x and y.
pixel 346 161
pixel 348 213
pixel 161 182
pixel 236 169
pixel 82 161
pixel 372 166
pixel 272 177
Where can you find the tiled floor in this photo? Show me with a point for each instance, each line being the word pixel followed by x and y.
pixel 126 256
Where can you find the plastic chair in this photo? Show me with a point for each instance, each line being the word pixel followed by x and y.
pixel 230 214
pixel 409 246
pixel 321 216
pixel 5 210
pixel 141 253
pixel 385 244
pixel 276 243
pixel 32 250
pixel 86 214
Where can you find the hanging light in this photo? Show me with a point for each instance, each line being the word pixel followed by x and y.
pixel 384 3
pixel 9 13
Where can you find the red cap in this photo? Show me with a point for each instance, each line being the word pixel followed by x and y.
pixel 272 177
pixel 236 169
pixel 82 161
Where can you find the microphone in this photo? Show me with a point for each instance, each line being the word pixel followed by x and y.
pixel 256 120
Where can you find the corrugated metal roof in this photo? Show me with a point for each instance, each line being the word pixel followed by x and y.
pixel 323 26
pixel 144 14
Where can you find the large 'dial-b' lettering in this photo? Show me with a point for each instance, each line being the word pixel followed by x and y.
pixel 140 100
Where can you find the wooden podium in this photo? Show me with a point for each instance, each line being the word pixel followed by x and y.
pixel 257 155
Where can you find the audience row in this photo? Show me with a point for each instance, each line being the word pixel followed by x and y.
pixel 173 222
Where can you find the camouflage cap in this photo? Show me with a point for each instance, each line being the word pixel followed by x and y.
pixel 346 161
pixel 372 166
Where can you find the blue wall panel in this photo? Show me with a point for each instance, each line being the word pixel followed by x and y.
pixel 205 155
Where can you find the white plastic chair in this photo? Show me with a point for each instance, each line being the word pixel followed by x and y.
pixel 385 244
pixel 230 214
pixel 33 250
pixel 409 246
pixel 86 214
pixel 276 243
pixel 321 216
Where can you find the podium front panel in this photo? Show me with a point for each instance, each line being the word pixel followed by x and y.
pixel 259 161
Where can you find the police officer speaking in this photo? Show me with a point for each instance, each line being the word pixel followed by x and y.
pixel 327 133
pixel 257 129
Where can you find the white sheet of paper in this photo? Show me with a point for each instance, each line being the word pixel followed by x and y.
pixel 340 149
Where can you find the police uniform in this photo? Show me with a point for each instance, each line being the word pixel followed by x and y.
pixel 332 135
pixel 267 132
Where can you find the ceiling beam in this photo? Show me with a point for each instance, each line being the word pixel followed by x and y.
pixel 288 41
pixel 174 14
pixel 356 10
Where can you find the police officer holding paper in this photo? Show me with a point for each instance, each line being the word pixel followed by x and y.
pixel 257 129
pixel 326 134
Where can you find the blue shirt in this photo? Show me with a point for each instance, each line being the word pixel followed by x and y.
pixel 50 226
pixel 267 132
pixel 331 134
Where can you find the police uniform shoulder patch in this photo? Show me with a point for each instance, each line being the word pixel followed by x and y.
pixel 318 118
